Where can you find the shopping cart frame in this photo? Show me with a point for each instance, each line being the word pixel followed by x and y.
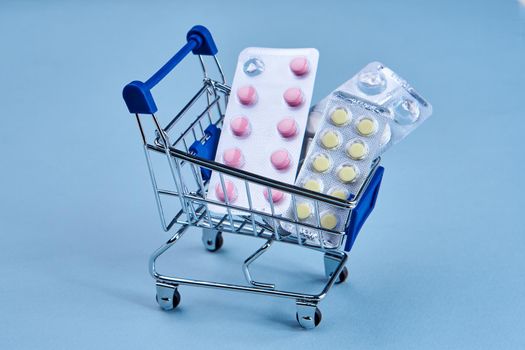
pixel 203 131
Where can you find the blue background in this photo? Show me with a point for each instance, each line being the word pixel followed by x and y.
pixel 439 264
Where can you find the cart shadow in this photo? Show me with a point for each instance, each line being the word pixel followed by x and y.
pixel 248 311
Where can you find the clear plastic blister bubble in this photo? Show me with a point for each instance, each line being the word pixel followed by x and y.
pixel 304 210
pixel 371 81
pixel 330 139
pixel 366 126
pixel 328 219
pixel 313 183
pixel 253 67
pixel 321 162
pixel 339 116
pixel 348 173
pixel 340 157
pixel 338 192
pixel 357 149
pixel 406 111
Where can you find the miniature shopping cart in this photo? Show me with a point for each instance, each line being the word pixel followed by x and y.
pixel 186 148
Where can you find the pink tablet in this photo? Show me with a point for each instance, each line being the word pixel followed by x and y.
pixel 233 157
pixel 287 127
pixel 231 192
pixel 293 97
pixel 277 195
pixel 299 66
pixel 247 95
pixel 280 159
pixel 240 126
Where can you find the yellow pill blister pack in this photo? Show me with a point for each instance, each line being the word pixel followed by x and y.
pixel 339 160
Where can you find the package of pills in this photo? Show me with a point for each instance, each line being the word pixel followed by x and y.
pixel 264 124
pixel 349 136
pixel 379 85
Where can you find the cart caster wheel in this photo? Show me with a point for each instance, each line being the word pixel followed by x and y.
pixel 343 276
pixel 167 298
pixel 308 317
pixel 213 244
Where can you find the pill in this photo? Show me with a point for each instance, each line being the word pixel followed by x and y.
pixel 328 221
pixel 247 95
pixel 231 191
pixel 293 97
pixel 280 159
pixel 299 66
pixel 233 157
pixel 240 126
pixel 321 163
pixel 277 195
pixel 357 149
pixel 339 193
pixel 287 127
pixel 313 185
pixel 366 126
pixel 385 137
pixel 347 173
pixel 304 211
pixel 330 139
pixel 339 117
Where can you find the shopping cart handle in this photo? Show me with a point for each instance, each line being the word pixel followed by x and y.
pixel 363 208
pixel 137 94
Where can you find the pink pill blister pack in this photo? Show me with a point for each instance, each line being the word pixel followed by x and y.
pixel 264 124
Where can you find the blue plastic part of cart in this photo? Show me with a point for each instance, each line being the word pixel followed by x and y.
pixel 207 149
pixel 137 94
pixel 364 208
pixel 207 46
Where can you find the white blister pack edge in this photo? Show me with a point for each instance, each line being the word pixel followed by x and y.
pixel 268 71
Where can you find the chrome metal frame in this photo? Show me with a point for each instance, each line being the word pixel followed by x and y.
pixel 189 188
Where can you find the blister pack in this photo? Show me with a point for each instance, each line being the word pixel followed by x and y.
pixel 264 124
pixel 339 160
pixel 380 85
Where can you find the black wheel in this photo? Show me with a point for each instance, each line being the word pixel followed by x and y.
pixel 175 301
pixel 342 276
pixel 318 316
pixel 219 241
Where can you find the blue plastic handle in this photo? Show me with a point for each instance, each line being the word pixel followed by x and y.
pixel 137 94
